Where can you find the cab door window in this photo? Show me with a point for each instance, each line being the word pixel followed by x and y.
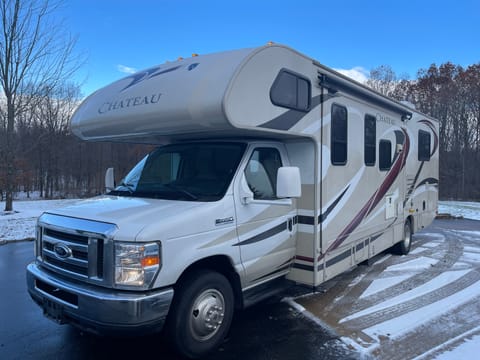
pixel 261 173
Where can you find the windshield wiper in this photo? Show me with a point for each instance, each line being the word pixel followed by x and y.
pixel 130 187
pixel 182 191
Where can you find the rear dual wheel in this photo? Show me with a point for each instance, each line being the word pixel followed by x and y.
pixel 403 247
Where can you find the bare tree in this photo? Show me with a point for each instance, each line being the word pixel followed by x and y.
pixel 35 54
pixel 52 114
pixel 383 79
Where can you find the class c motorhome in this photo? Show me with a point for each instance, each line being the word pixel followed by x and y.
pixel 272 167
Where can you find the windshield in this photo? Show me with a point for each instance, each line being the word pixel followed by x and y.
pixel 194 172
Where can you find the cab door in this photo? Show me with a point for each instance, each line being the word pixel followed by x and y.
pixel 266 224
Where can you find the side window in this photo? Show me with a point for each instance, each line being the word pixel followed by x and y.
pixel 385 155
pixel 423 146
pixel 261 173
pixel 339 135
pixel 370 137
pixel 291 91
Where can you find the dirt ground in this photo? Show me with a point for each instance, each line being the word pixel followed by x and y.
pixel 403 307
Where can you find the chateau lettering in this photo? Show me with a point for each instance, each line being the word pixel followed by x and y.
pixel 129 102
pixel 385 119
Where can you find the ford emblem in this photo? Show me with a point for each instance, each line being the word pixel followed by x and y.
pixel 62 251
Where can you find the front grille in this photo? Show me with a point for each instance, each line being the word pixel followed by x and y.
pixel 78 254
pixel 77 248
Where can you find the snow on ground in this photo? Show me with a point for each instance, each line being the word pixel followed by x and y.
pixel 425 305
pixel 436 310
pixel 388 312
pixel 466 350
pixel 20 224
pixel 467 210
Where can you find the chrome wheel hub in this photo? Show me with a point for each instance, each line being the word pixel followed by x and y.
pixel 207 314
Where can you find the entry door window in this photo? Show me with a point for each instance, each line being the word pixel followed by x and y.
pixel 261 173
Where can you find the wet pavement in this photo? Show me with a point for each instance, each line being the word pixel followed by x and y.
pixel 276 330
pixel 270 330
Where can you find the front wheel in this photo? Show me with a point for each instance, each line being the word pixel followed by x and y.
pixel 403 247
pixel 201 313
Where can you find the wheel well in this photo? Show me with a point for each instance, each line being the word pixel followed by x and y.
pixel 222 265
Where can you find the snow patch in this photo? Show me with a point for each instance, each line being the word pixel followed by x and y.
pixel 403 324
pixel 467 350
pixel 469 256
pixel 472 235
pixel 468 210
pixel 418 264
pixel 20 224
pixel 442 280
pixel 382 284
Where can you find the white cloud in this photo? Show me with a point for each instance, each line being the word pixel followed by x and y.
pixel 126 69
pixel 358 73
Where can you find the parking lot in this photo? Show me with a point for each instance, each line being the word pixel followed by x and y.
pixel 421 305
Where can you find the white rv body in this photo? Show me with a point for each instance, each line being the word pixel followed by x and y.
pixel 368 169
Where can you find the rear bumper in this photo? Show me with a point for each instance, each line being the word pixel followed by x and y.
pixel 95 309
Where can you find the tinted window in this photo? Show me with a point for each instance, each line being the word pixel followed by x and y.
pixel 370 134
pixel 339 135
pixel 385 155
pixel 423 146
pixel 291 91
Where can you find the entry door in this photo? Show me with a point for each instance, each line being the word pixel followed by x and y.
pixel 266 224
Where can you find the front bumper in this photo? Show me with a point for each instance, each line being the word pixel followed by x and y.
pixel 95 309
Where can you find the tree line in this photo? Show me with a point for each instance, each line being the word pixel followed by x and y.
pixel 451 94
pixel 53 162
pixel 38 153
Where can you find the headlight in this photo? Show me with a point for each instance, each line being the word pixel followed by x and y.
pixel 136 265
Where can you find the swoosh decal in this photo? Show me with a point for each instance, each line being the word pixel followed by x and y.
pixel 376 197
pixel 147 74
pixel 417 175
pixel 264 235
pixel 435 135
pixel 310 220
pixel 431 181
pixel 291 117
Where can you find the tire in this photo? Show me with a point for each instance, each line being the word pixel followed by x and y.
pixel 201 313
pixel 403 247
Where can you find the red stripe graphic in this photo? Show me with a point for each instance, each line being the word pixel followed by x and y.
pixel 375 198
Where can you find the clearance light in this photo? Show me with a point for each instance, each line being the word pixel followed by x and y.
pixel 194 55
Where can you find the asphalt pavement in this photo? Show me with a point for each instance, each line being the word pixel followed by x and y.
pixel 269 330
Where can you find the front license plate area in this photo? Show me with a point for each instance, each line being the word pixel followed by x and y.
pixel 53 311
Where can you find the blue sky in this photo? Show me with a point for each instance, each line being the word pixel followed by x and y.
pixel 118 35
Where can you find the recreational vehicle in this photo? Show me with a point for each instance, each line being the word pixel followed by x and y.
pixel 271 167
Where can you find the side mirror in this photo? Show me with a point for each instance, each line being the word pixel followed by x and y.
pixel 289 184
pixel 109 180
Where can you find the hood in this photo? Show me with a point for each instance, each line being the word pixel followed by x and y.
pixel 164 218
